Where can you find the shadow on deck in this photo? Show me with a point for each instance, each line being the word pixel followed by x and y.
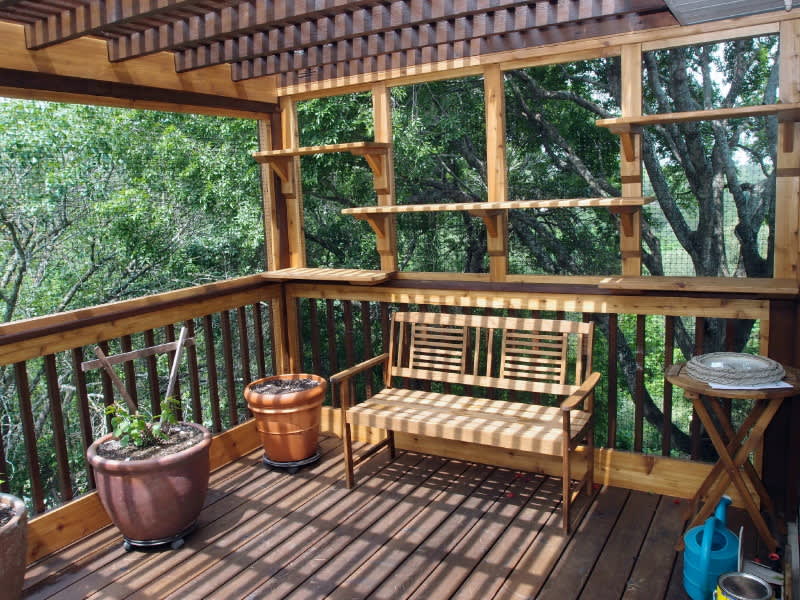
pixel 420 527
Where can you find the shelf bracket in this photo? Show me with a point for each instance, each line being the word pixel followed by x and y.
pixel 377 161
pixel 381 224
pixel 496 222
pixel 627 214
pixel 283 167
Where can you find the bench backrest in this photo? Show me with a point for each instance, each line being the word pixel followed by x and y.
pixel 533 355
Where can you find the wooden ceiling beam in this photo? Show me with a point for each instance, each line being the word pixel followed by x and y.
pixel 228 22
pixel 93 17
pixel 365 21
pixel 60 88
pixel 359 23
pixel 505 16
pixel 356 64
pixel 505 30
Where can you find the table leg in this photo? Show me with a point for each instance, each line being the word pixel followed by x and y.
pixel 731 464
pixel 735 439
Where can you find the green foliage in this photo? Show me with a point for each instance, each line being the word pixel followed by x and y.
pixel 140 428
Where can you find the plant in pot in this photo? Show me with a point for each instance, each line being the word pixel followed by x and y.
pixel 151 472
pixel 13 545
pixel 287 409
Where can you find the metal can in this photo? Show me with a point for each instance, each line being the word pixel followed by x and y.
pixel 742 586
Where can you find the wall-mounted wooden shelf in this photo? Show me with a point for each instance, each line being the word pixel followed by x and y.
pixel 375 153
pixel 613 204
pixel 626 127
pixel 351 276
pixel 731 285
pixel 495 215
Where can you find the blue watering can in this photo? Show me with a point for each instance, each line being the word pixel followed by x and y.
pixel 711 550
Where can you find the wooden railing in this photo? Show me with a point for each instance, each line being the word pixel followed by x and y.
pixel 325 327
pixel 60 409
pixel 638 410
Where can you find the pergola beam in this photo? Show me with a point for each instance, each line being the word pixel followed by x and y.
pixel 331 29
pixel 386 52
pixel 93 17
pixel 483 33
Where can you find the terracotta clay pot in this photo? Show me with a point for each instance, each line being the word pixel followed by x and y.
pixel 155 498
pixel 13 548
pixel 288 424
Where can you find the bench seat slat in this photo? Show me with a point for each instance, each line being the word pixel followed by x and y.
pixel 524 427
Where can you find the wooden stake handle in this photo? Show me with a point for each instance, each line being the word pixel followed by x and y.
pixel 132 408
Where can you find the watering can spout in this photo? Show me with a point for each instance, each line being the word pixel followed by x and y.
pixel 721 511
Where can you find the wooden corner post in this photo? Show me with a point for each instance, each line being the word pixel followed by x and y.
pixel 384 175
pixel 630 162
pixel 787 184
pixel 290 185
pixel 496 173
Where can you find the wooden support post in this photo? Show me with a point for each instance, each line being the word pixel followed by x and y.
pixel 382 165
pixel 496 173
pixel 290 186
pixel 630 164
pixel 787 186
pixel 275 242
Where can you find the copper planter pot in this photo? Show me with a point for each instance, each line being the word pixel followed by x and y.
pixel 156 498
pixel 288 423
pixel 13 548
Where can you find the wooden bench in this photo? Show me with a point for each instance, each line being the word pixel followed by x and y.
pixel 534 359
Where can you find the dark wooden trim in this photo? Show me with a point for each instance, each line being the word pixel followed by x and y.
pixel 29 80
pixel 781 442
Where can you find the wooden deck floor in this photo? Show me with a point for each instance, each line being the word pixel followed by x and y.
pixel 420 527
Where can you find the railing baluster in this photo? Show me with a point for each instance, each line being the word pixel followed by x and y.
pixel 258 331
pixel 366 337
pixel 696 427
pixel 244 344
pixel 84 416
pixel 638 412
pixel 349 337
pixel 211 369
pixel 384 310
pixel 313 315
pixel 4 484
pixel 108 387
pixel 272 349
pixel 129 368
pixel 333 359
pixel 669 351
pixel 227 355
pixel 613 388
pixel 194 376
pixel 152 374
pixel 426 383
pixel 29 434
pixel 57 419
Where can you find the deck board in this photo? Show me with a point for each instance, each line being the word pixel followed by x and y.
pixel 417 527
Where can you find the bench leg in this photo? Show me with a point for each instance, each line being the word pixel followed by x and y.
pixel 347 444
pixel 565 494
pixel 390 444
pixel 589 461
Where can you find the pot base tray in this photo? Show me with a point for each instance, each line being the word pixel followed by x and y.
pixel 174 542
pixel 293 466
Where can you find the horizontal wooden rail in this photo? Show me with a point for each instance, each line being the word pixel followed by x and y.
pixel 567 298
pixel 603 202
pixel 30 338
pixel 785 112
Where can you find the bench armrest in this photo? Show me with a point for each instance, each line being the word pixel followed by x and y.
pixel 356 369
pixel 579 395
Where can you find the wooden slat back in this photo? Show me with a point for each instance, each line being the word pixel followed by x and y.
pixel 535 355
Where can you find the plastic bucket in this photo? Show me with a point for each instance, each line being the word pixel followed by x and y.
pixel 742 586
